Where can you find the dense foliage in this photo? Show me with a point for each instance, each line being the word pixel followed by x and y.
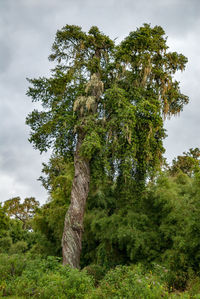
pixel 156 237
pixel 112 97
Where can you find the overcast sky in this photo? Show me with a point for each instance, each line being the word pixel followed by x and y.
pixel 27 31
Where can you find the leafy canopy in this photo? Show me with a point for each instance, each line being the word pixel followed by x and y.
pixel 114 96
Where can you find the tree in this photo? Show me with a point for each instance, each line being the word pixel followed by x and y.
pixel 21 211
pixel 103 107
pixel 188 163
pixel 4 222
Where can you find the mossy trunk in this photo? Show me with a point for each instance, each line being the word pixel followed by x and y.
pixel 73 226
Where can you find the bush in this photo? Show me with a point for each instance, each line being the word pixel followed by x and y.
pixel 10 268
pixel 130 282
pixel 62 282
pixel 41 278
pixel 66 283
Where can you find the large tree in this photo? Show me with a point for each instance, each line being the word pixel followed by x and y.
pixel 103 107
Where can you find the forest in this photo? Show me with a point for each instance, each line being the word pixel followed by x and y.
pixel 119 221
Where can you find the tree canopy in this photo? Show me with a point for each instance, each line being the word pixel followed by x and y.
pixel 135 88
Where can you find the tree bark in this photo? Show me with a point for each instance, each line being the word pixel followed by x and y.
pixel 73 226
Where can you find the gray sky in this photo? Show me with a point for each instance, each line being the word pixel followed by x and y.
pixel 27 31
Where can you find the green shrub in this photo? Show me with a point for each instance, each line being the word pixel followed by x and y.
pixel 38 266
pixel 130 282
pixel 62 282
pixel 41 278
pixel 10 268
pixel 66 283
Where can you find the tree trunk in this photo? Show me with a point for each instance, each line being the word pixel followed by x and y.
pixel 73 226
